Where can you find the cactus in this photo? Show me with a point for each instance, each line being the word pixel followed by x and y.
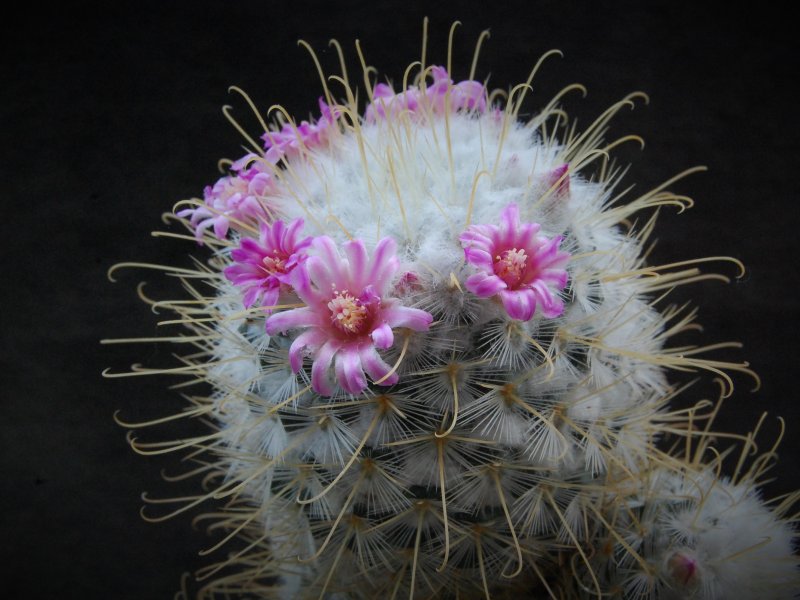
pixel 438 362
pixel 688 533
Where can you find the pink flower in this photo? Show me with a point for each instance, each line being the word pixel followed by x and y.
pixel 348 316
pixel 262 267
pixel 518 265
pixel 385 102
pixel 238 197
pixel 465 95
pixel 290 139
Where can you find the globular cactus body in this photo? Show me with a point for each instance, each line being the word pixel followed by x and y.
pixel 437 356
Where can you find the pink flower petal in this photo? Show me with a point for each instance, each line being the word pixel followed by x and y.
pixel 357 256
pixel 304 340
pixel 551 305
pixel 319 370
pixel 269 298
pixel 384 265
pixel 221 227
pixel 478 257
pixel 349 373
pixel 300 281
pixel 405 316
pixel 469 95
pixel 526 236
pixel 290 319
pixel 376 368
pixel 383 336
pixel 519 304
pixel 329 267
pixel 478 236
pixel 485 286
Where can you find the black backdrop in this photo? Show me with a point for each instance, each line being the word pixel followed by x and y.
pixel 109 115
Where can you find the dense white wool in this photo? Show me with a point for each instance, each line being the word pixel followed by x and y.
pixel 236 366
pixel 404 185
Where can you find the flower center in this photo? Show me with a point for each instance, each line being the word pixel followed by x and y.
pixel 348 315
pixel 510 266
pixel 274 264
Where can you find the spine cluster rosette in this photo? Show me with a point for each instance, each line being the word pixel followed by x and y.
pixel 438 365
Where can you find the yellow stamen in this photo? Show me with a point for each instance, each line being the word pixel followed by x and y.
pixel 511 265
pixel 274 264
pixel 347 313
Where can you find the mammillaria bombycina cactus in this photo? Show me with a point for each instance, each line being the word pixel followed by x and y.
pixel 439 361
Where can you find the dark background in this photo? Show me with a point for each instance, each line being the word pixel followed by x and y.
pixel 110 115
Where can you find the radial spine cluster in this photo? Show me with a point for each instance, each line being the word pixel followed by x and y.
pixel 438 363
